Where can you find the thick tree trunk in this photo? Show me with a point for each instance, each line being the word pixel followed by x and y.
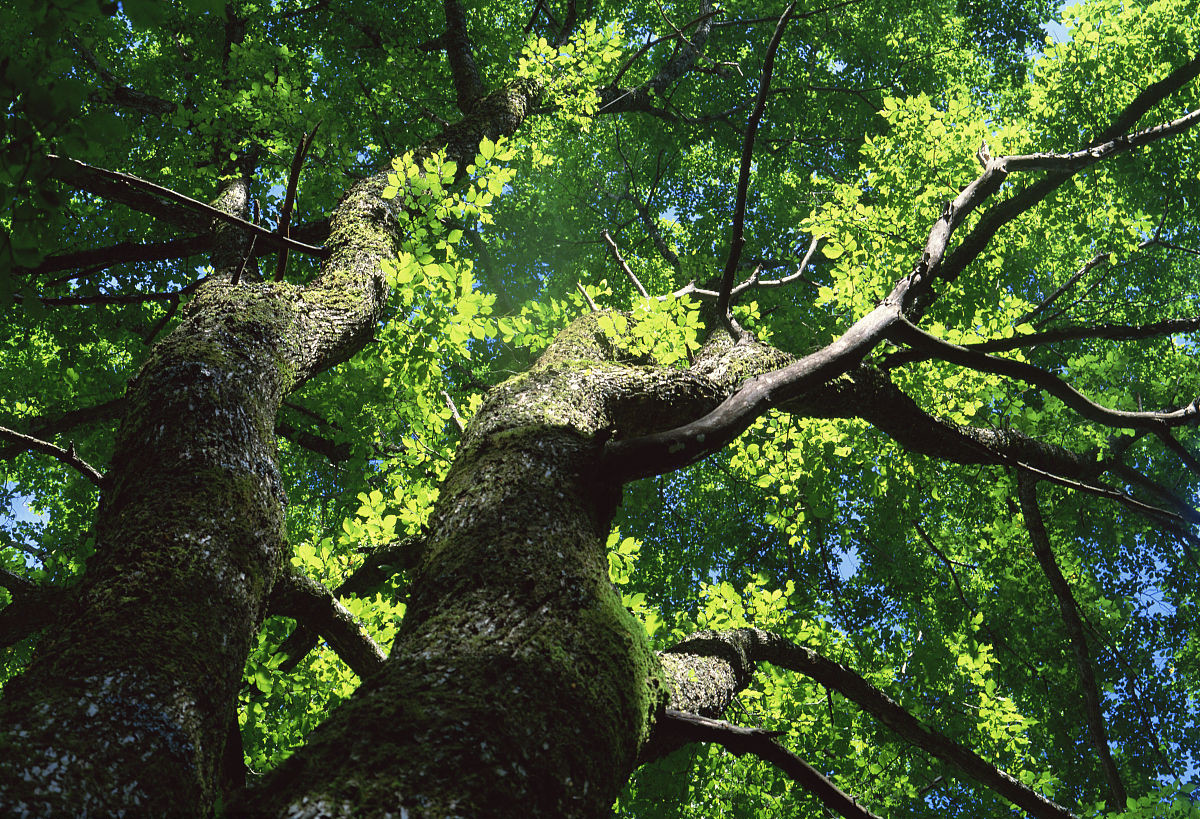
pixel 518 685
pixel 127 703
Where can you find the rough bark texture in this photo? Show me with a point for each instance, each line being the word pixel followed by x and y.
pixel 127 702
pixel 518 684
pixel 126 706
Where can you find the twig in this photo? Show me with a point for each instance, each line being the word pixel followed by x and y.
pixel 612 246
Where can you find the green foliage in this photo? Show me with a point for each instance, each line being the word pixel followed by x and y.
pixel 916 573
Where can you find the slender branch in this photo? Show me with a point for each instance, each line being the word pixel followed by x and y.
pixel 679 728
pixel 305 600
pixel 67 456
pixel 1172 443
pixel 334 451
pixel 1098 259
pixel 1114 332
pixel 119 93
pixel 1063 166
pixel 289 201
pixel 738 234
pixel 116 185
pixel 458 421
pixel 908 333
pixel 19 587
pixel 116 298
pixel 97 259
pixel 587 298
pixel 616 252
pixel 48 426
pixel 1027 493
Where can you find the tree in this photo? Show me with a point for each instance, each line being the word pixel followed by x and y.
pixel 721 410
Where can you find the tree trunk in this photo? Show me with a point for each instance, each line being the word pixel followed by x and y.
pixel 518 684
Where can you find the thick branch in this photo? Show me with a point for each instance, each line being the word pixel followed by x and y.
pixel 379 566
pixel 1027 493
pixel 468 84
pixel 309 603
pixel 747 646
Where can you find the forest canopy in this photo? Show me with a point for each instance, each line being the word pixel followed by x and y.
pixel 566 408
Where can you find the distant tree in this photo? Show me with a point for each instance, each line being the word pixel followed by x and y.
pixel 719 410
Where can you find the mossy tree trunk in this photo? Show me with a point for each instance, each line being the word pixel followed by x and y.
pixel 126 705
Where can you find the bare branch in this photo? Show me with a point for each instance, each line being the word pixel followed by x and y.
pixel 1019 341
pixel 289 200
pixel 587 298
pixel 738 234
pixel 379 566
pixel 47 426
pixel 1172 443
pixel 677 728
pixel 334 451
pixel 1027 493
pixel 1098 259
pixel 67 456
pixel 458 421
pixel 906 332
pixel 131 190
pixel 616 252
pixel 116 298
pixel 97 259
pixel 747 646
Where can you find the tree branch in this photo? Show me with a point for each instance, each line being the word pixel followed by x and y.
pixel 1020 341
pixel 468 84
pixel 738 232
pixel 1098 259
pixel 616 252
pixel 47 426
pixel 309 603
pixel 148 198
pixel 379 566
pixel 677 728
pixel 908 333
pixel 289 200
pixel 1027 493
pixel 746 646
pixel 100 258
pixel 67 456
